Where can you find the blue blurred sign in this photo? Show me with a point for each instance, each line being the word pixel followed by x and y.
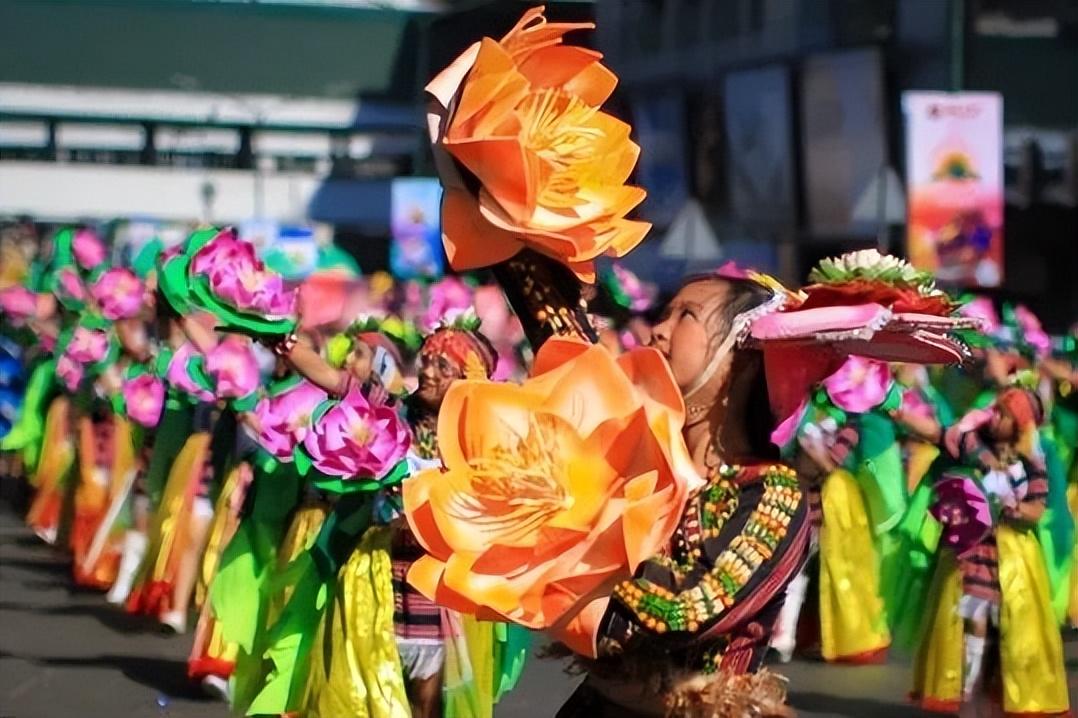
pixel 415 223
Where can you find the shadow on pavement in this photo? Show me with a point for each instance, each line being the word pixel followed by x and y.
pixel 836 705
pixel 109 616
pixel 167 676
pixel 57 566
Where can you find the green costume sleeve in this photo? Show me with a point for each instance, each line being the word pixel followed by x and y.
pixel 27 431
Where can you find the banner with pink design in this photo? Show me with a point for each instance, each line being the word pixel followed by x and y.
pixel 954 180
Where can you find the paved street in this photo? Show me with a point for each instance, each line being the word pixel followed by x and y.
pixel 65 652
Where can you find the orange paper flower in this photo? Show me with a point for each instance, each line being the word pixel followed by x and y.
pixel 553 491
pixel 521 117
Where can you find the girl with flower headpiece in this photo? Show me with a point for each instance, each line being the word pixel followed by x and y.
pixel 845 449
pixel 1062 370
pixel 991 594
pixel 79 350
pixel 656 531
pixel 357 636
pixel 281 422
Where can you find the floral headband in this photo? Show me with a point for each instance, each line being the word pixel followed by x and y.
pixel 464 348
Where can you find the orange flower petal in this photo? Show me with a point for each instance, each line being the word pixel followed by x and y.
pixel 494 87
pixel 462 224
pixel 497 162
pixel 532 33
pixel 575 69
pixel 425 574
pixel 649 372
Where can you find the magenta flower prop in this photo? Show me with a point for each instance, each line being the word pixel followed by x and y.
pixel 18 303
pixel 238 278
pixel 982 309
pixel 357 439
pixel 224 249
pixel 119 293
pixel 448 298
pixel 963 510
pixel 786 431
pixel 88 346
pixel 639 295
pixel 144 398
pixel 70 285
pixel 914 404
pixel 250 288
pixel 69 371
pixel 859 385
pixel 1033 331
pixel 234 368
pixel 178 374
pixel 88 249
pixel 285 420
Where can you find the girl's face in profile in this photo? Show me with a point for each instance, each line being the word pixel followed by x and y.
pixel 686 333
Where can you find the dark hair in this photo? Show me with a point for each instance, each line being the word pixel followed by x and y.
pixel 743 295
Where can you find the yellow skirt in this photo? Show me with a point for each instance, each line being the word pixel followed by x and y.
pixel 170 531
pixel 95 496
pixel 358 674
pixel 1031 650
pixel 853 621
pixel 54 464
pixel 223 527
pixel 306 523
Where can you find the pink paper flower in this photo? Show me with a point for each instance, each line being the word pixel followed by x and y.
pixel 357 439
pixel 88 249
pixel 239 278
pixel 859 385
pixel 18 303
pixel 178 375
pixel 1032 330
pixel 119 293
pixel 914 404
pixel 223 250
pixel 982 308
pixel 963 509
pixel 448 298
pixel 69 371
pixel 70 285
pixel 285 420
pixel 144 397
pixel 785 432
pixel 234 368
pixel 251 288
pixel 88 346
pixel 641 296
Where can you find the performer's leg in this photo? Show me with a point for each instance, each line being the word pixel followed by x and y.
pixel 135 543
pixel 784 640
pixel 425 695
pixel 189 564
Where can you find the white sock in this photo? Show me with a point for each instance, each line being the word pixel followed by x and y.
pixel 784 639
pixel 974 659
pixel 134 549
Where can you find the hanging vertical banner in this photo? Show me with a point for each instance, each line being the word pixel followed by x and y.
pixel 954 178
pixel 415 221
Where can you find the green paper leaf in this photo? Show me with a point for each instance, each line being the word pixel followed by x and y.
pixel 245 403
pixel 301 460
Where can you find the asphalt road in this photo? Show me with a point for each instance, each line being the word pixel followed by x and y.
pixel 66 652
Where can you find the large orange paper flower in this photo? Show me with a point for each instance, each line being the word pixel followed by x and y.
pixel 545 168
pixel 553 491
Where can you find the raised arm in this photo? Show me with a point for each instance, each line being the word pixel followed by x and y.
pixel 307 362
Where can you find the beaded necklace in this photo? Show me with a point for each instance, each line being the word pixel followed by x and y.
pixel 661 609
